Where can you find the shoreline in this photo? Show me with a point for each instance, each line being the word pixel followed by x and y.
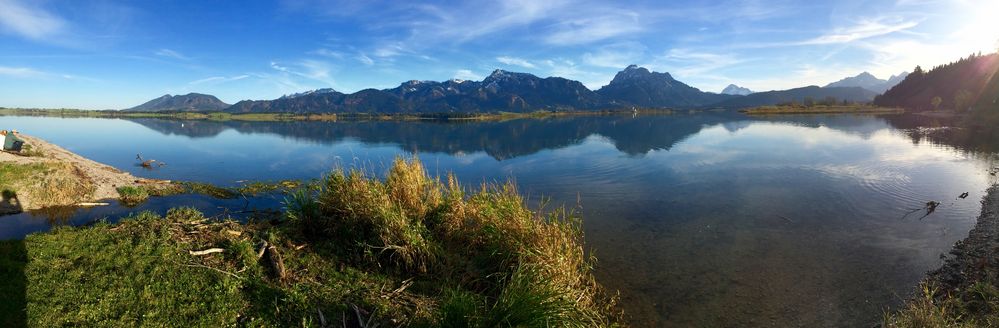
pixel 49 175
pixel 849 109
pixel 973 254
pixel 962 291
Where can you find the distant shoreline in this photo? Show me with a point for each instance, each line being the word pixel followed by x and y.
pixel 834 109
pixel 278 117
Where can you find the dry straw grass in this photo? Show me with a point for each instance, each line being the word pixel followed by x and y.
pixel 528 265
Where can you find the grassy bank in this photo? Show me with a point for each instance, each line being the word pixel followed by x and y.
pixel 135 195
pixel 820 109
pixel 407 251
pixel 44 184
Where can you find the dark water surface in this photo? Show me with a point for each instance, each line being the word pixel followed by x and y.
pixel 710 220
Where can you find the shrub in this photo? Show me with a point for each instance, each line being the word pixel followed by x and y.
pixel 531 267
pixel 132 195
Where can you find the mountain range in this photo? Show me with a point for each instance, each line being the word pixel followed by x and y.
pixel 638 87
pixel 733 89
pixel 851 94
pixel 191 102
pixel 503 91
pixel 870 82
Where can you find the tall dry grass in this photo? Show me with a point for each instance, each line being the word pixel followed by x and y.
pixel 525 268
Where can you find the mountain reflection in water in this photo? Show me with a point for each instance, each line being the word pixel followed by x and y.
pixel 712 219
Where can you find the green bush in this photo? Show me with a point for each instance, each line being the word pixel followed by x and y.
pixel 132 195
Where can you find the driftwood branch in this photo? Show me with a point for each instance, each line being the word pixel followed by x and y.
pixel 263 249
pixel 322 318
pixel 207 251
pixel 277 263
pixel 92 204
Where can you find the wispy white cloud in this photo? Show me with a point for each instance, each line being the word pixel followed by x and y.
pixel 218 79
pixel 515 61
pixel 164 52
pixel 317 70
pixel 311 69
pixel 278 67
pixel 688 62
pixel 474 20
pixel 21 72
pixel 364 59
pixel 590 29
pixel 466 74
pixel 28 20
pixel 327 53
pixel 863 29
pixel 618 55
pixel 31 73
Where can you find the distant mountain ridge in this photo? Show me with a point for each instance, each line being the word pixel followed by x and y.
pixel 500 91
pixel 503 91
pixel 850 94
pixel 189 102
pixel 637 86
pixel 736 90
pixel 310 92
pixel 869 81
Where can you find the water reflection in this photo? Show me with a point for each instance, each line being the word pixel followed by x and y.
pixel 499 139
pixel 699 220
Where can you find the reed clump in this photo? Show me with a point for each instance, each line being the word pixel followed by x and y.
pixel 523 267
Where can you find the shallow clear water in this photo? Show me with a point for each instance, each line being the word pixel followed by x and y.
pixel 698 220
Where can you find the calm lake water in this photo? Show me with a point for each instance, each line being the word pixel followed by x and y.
pixel 707 220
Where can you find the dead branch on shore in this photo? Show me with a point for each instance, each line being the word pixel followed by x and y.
pixel 263 249
pixel 277 263
pixel 92 204
pixel 148 163
pixel 207 251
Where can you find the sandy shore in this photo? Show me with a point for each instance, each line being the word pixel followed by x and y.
pixel 103 179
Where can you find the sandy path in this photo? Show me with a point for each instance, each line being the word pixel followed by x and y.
pixel 105 178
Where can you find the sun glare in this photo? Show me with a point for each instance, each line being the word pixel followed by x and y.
pixel 981 31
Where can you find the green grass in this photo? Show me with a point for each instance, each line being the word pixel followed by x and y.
pixel 975 306
pixel 30 151
pixel 252 188
pixel 407 251
pixel 208 189
pixel 132 195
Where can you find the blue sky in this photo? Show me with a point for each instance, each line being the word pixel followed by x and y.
pixel 100 54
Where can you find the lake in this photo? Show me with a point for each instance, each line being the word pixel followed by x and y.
pixel 705 220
